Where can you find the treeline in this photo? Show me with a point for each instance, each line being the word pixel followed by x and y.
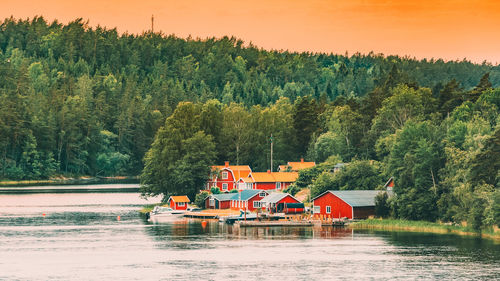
pixel 442 151
pixel 88 101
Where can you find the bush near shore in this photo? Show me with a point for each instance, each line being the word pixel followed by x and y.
pixel 423 226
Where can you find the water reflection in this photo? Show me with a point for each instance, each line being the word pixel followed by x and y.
pixel 80 238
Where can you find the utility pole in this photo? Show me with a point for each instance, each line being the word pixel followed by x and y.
pixel 152 23
pixel 271 153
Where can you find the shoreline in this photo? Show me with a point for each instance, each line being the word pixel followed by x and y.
pixel 423 227
pixel 69 181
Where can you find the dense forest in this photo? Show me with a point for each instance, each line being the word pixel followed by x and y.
pixel 77 100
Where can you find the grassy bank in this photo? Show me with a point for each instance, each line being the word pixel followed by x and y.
pixel 70 181
pixel 148 208
pixel 422 226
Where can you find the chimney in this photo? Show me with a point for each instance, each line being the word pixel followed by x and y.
pixel 226 164
pixel 301 160
pixel 268 171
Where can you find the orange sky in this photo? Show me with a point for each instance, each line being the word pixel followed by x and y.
pixel 451 29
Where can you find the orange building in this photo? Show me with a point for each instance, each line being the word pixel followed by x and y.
pixel 296 166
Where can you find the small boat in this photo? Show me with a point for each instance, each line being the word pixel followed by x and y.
pixel 241 217
pixel 165 214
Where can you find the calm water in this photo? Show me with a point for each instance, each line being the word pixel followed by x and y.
pixel 80 238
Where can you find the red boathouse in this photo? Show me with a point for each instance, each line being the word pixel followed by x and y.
pixel 351 204
pixel 178 202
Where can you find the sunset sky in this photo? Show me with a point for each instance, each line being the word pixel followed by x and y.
pixel 452 29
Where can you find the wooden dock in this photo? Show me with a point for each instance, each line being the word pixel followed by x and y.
pixel 200 215
pixel 273 223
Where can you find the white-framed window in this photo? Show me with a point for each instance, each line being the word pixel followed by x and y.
pixel 278 185
pixel 256 204
pixel 249 185
pixel 262 194
pixel 316 209
pixel 328 209
pixel 224 186
pixel 181 204
pixel 212 202
pixel 224 175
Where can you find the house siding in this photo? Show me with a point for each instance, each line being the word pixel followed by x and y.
pixel 339 208
pixel 174 205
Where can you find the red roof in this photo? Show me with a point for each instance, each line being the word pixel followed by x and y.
pixel 238 171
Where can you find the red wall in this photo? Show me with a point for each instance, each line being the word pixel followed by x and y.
pixel 230 181
pixel 265 185
pixel 222 204
pixel 339 208
pixel 271 185
pixel 250 203
pixel 175 206
pixel 225 204
pixel 288 199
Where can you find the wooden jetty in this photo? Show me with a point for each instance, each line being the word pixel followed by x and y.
pixel 201 215
pixel 273 223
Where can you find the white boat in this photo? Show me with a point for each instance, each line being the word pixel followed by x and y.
pixel 165 214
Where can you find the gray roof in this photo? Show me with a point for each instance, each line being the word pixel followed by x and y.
pixel 275 197
pixel 245 195
pixel 248 193
pixel 223 196
pixel 355 198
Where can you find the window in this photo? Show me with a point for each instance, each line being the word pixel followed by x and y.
pixel 256 204
pixel 249 185
pixel 316 209
pixel 212 202
pixel 278 185
pixel 224 186
pixel 262 194
pixel 224 175
pixel 181 204
pixel 328 209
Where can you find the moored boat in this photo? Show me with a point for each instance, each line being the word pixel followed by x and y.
pixel 165 214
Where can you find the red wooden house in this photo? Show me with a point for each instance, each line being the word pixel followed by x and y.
pixel 219 201
pixel 178 202
pixel 225 177
pixel 389 185
pixel 351 204
pixel 276 202
pixel 248 199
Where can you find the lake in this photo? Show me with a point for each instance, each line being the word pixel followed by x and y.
pixel 81 238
